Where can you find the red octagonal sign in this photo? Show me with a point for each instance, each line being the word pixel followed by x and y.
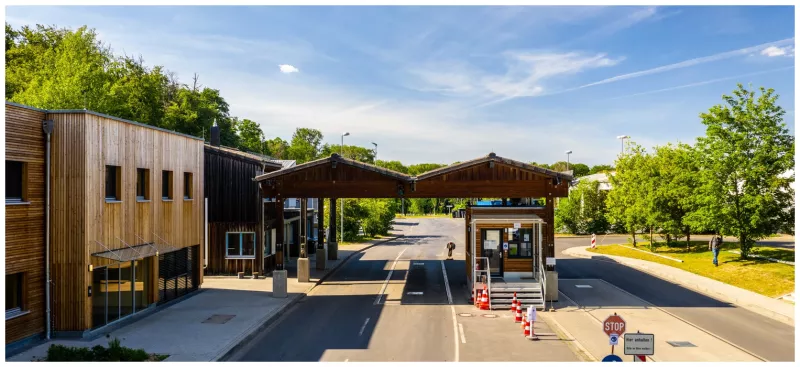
pixel 614 324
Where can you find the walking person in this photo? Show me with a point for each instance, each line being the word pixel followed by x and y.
pixel 714 245
pixel 450 247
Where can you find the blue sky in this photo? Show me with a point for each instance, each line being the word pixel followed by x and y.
pixel 444 84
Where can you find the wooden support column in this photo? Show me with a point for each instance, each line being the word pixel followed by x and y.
pixel 333 246
pixel 303 227
pixel 280 247
pixel 321 255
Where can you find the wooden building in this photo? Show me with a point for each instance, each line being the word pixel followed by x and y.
pixel 25 224
pixel 125 216
pixel 236 240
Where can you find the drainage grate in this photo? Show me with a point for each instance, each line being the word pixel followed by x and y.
pixel 680 344
pixel 489 315
pixel 465 314
pixel 218 319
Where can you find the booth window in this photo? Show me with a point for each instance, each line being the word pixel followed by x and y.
pixel 166 185
pixel 142 184
pixel 240 245
pixel 187 185
pixel 520 242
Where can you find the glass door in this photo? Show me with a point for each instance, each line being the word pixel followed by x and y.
pixel 492 246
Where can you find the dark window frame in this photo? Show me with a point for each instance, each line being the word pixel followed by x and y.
pixel 142 184
pixel 517 243
pixel 23 182
pixel 188 187
pixel 113 174
pixel 19 308
pixel 166 185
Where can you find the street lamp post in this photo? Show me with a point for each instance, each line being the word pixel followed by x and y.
pixel 341 200
pixel 622 142
pixel 376 150
pixel 568 153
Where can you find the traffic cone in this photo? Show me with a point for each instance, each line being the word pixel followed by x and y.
pixel 518 313
pixel 514 303
pixel 522 325
pixel 527 328
pixel 485 301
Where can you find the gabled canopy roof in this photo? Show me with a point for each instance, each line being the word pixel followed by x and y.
pixel 491 157
pixel 337 159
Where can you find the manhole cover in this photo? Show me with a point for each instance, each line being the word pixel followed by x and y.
pixel 465 314
pixel 489 315
pixel 218 319
pixel 680 344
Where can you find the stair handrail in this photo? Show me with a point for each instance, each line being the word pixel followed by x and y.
pixel 542 280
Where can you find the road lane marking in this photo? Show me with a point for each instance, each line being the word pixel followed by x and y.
pixel 452 308
pixel 582 286
pixel 415 293
pixel 463 337
pixel 386 283
pixel 363 326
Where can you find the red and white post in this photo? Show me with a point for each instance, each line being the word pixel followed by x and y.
pixel 594 240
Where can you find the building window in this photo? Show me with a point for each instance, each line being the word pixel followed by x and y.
pixel 15 302
pixel 142 184
pixel 15 182
pixel 240 245
pixel 520 243
pixel 113 181
pixel 166 185
pixel 187 185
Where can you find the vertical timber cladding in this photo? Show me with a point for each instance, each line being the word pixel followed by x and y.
pixel 234 202
pixel 83 143
pixel 25 231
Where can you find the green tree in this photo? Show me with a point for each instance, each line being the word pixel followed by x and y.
pixel 746 154
pixel 305 145
pixel 584 210
pixel 252 137
pixel 277 148
pixel 418 169
pixel 674 197
pixel 628 201
pixel 360 154
pixel 601 168
pixel 579 169
pixel 392 165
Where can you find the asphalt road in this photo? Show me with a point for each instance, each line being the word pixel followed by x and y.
pixel 756 334
pixel 400 301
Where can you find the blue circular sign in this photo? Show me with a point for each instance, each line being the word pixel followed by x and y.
pixel 612 358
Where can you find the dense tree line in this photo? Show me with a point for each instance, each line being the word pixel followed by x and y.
pixel 735 181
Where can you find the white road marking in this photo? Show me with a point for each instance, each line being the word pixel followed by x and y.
pixel 463 337
pixel 452 309
pixel 415 293
pixel 363 327
pixel 582 286
pixel 386 283
pixel 423 264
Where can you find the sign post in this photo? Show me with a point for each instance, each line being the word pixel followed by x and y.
pixel 639 345
pixel 614 326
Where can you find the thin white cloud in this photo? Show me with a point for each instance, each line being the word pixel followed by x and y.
pixel 525 74
pixel 704 82
pixel 687 63
pixel 288 69
pixel 773 51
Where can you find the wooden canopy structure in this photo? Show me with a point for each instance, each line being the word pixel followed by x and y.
pixel 488 176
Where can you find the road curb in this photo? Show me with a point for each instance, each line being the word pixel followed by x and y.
pixel 584 353
pixel 242 340
pixel 703 290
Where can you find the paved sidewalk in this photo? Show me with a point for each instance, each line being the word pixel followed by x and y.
pixel 196 328
pixel 773 308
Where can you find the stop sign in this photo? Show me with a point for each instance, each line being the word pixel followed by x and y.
pixel 614 324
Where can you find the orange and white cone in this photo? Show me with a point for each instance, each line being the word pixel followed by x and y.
pixel 484 301
pixel 518 313
pixel 522 325
pixel 514 303
pixel 527 328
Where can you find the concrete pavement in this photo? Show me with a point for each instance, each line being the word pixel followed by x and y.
pixel 766 306
pixel 209 324
pixel 401 301
pixel 769 339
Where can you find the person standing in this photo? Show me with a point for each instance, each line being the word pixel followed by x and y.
pixel 714 245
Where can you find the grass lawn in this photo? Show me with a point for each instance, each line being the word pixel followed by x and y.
pixel 758 275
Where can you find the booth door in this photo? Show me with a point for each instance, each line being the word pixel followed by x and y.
pixel 492 245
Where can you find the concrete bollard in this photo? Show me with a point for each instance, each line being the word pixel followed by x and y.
pixel 241 275
pixel 333 250
pixel 303 270
pixel 279 283
pixel 255 275
pixel 322 257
